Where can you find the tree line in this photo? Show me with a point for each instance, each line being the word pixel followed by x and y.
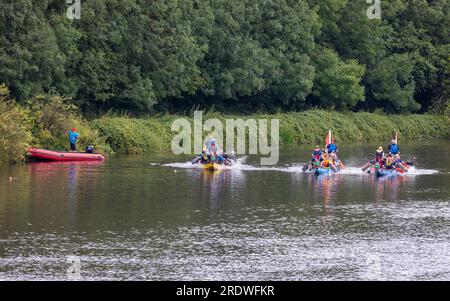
pixel 234 55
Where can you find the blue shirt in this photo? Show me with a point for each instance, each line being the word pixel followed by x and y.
pixel 331 147
pixel 393 148
pixel 317 152
pixel 73 136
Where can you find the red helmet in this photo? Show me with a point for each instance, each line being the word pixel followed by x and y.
pixel 74 129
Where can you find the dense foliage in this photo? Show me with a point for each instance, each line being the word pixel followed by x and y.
pixel 153 134
pixel 41 122
pixel 236 55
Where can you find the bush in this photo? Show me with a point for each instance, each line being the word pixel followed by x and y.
pixel 15 129
pixel 43 122
pixel 53 117
pixel 135 136
pixel 152 134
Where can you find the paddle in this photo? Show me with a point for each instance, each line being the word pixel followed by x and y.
pixel 399 170
pixel 305 167
pixel 333 168
pixel 365 167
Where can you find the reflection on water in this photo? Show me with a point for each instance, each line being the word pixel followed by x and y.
pixel 138 217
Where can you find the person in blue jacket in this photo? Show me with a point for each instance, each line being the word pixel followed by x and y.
pixel 394 148
pixel 332 148
pixel 73 137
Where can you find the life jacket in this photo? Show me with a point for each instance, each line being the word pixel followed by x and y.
pixel 393 148
pixel 317 153
pixel 204 158
pixel 331 147
pixel 389 164
pixel 379 157
pixel 326 163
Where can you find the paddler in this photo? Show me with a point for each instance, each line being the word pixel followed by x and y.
pixel 327 162
pixel 213 157
pixel 220 159
pixel 212 147
pixel 316 158
pixel 73 137
pixel 335 162
pixel 379 155
pixel 203 158
pixel 332 147
pixel 393 148
pixel 316 154
pixel 389 162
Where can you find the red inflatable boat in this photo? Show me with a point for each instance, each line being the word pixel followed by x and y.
pixel 43 154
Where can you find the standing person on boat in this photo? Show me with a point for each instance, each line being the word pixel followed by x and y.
pixel 393 148
pixel 73 137
pixel 332 147
pixel 212 146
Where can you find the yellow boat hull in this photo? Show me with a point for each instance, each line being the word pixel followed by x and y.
pixel 212 166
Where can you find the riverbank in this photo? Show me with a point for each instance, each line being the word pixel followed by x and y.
pixel 153 134
pixel 45 120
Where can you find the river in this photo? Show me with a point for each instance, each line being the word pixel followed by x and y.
pixel 153 217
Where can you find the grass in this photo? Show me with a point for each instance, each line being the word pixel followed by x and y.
pixel 153 134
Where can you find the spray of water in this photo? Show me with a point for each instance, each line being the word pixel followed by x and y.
pixel 294 168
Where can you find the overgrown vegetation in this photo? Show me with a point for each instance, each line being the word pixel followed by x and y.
pixel 134 136
pixel 43 121
pixel 15 128
pixel 153 134
pixel 299 60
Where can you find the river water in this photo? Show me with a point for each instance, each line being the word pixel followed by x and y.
pixel 155 217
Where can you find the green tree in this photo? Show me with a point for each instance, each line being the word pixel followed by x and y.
pixel 337 83
pixel 393 84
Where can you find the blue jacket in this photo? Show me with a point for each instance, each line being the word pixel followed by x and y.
pixel 393 148
pixel 73 136
pixel 317 152
pixel 332 147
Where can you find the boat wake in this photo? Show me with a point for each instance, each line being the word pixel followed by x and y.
pixel 418 171
pixel 295 168
pixel 238 165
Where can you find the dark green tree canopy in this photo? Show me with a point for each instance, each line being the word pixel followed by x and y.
pixel 273 54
